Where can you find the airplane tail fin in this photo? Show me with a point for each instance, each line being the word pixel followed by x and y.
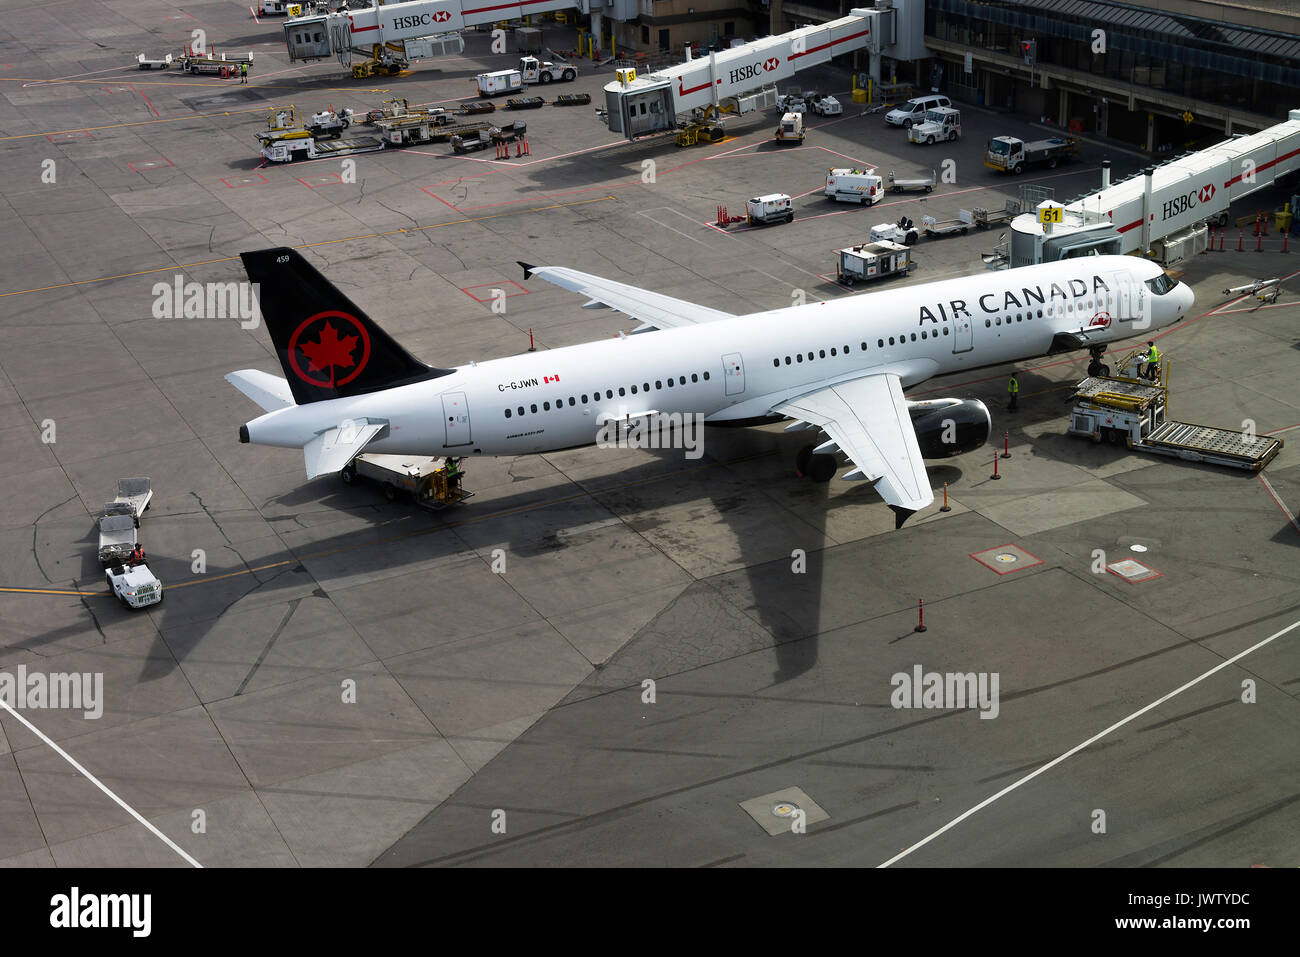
pixel 328 347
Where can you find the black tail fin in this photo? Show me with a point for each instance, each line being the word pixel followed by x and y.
pixel 328 347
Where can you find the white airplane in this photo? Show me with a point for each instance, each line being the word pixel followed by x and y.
pixel 835 367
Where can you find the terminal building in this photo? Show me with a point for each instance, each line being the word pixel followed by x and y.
pixel 1163 75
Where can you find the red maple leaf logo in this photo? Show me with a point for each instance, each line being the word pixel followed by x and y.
pixel 330 351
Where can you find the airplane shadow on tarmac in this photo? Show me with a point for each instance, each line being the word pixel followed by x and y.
pixel 785 605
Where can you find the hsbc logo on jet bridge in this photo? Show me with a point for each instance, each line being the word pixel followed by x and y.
pixel 419 20
pixel 1182 204
pixel 754 69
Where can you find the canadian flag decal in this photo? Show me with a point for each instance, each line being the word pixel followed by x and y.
pixel 550 378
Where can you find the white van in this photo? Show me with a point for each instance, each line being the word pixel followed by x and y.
pixel 854 185
pixel 914 109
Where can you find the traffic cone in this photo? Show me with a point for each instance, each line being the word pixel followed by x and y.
pixel 519 148
pixel 527 151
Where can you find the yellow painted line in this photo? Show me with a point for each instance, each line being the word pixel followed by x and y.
pixel 323 242
pixel 503 513
pixel 115 126
pixel 44 591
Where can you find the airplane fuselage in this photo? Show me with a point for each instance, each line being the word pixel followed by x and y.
pixel 738 369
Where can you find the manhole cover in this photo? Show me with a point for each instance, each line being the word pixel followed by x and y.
pixel 1132 570
pixel 785 809
pixel 1137 548
pixel 1006 558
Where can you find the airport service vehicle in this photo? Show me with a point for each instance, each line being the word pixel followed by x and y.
pixel 329 123
pixel 824 105
pixel 901 232
pixel 941 123
pixel 873 261
pixel 280 146
pixel 851 184
pixel 135 493
pixel 772 208
pixel 133 585
pixel 791 103
pixel 483 138
pixel 914 110
pixel 432 482
pixel 985 218
pixel 500 81
pixel 1125 410
pixel 920 184
pixel 148 64
pixel 544 71
pixel 790 129
pixel 525 103
pixel 349 388
pixel 196 63
pixel 117 533
pixel 948 227
pixel 1010 154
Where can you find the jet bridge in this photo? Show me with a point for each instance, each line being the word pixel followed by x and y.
pixel 744 78
pixel 395 33
pixel 1163 210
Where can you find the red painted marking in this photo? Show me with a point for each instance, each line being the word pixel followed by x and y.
pixel 1133 225
pixel 695 89
pixel 495 285
pixel 364 29
pixel 147 101
pixel 851 36
pixel 1038 561
pixel 337 179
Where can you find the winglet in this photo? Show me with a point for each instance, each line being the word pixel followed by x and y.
pixel 901 515
pixel 528 269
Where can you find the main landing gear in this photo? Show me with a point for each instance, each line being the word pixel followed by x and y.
pixel 1095 366
pixel 819 468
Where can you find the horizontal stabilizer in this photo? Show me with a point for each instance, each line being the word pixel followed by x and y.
pixel 336 447
pixel 269 391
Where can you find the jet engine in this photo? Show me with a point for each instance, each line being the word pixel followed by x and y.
pixel 947 427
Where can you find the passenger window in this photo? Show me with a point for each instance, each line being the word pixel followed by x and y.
pixel 683 379
pixel 695 377
pixel 622 391
pixel 706 377
pixel 609 393
pixel 1040 313
pixel 659 383
pixel 799 357
pixel 846 350
pixel 923 334
pixel 507 413
pixel 571 402
pixel 670 383
pixel 821 353
pixel 633 390
pixel 533 408
pixel 810 357
pixel 879 342
pixel 945 330
pixel 645 386
pixel 988 323
pixel 546 407
pixel 521 410
pixel 584 400
pixel 891 340
pixel 914 337
pixel 787 360
pixel 832 352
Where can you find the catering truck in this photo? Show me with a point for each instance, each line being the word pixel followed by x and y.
pixel 1008 154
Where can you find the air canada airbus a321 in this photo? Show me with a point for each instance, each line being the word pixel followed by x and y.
pixel 837 368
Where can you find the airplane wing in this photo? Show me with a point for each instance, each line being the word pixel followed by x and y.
pixel 867 419
pixel 653 309
pixel 269 391
pixel 336 447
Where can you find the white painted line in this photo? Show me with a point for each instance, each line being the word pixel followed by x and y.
pixel 95 781
pixel 1277 500
pixel 1079 747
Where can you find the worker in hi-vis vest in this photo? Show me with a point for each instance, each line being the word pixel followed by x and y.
pixel 243 73
pixel 1013 390
pixel 1152 359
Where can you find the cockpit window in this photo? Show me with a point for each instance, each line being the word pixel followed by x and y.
pixel 1161 284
